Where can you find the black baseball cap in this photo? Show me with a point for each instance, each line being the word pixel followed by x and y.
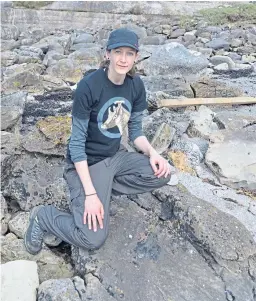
pixel 122 37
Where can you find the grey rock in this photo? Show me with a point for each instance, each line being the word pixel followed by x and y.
pixel 67 70
pixel 227 241
pixel 143 246
pixel 240 147
pixel 246 49
pixel 163 138
pixel 13 70
pixel 9 44
pixel 81 46
pixel 237 33
pixel 10 148
pixel 50 266
pixel 28 81
pixel 34 181
pixel 154 98
pixel 30 51
pixel 51 83
pixel 207 52
pixel 217 59
pixel 202 123
pixel 174 87
pixel 236 43
pixel 10 116
pixel 9 32
pixel 152 122
pixel 12 107
pixel 209 87
pixel 177 33
pixel 25 290
pixel 51 57
pixel 203 144
pixel 8 58
pixel 234 56
pixel 233 120
pixel 83 38
pixel 4 215
pixel 190 150
pixel 218 44
pixel 58 290
pixel 65 40
pixel 140 31
pixel 57 47
pixel 153 40
pixel 221 67
pixel 19 223
pixel 178 62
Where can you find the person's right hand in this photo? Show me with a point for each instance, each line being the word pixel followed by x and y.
pixel 93 211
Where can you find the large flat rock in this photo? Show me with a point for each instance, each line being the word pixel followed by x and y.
pixel 232 157
pixel 145 259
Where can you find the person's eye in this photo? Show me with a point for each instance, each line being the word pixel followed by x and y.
pixel 130 53
pixel 118 51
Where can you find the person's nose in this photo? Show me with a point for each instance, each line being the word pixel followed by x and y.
pixel 123 57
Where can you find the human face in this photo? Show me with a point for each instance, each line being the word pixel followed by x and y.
pixel 122 59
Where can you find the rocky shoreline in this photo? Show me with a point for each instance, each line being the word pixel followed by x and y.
pixel 195 240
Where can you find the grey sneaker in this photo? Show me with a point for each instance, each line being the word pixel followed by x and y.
pixel 33 238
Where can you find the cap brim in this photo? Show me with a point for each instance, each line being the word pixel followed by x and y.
pixel 113 46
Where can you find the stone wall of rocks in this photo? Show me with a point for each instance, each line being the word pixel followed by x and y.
pixel 195 240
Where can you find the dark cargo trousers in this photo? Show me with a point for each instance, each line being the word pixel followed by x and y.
pixel 124 173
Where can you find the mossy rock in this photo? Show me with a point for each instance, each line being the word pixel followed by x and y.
pixel 56 128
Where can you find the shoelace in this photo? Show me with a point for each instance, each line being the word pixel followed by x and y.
pixel 37 233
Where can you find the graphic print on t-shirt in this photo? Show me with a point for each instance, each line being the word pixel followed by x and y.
pixel 115 113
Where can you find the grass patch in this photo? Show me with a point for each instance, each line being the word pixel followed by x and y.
pixel 31 4
pixel 233 14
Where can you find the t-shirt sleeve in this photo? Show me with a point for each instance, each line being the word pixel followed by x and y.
pixel 140 103
pixel 83 101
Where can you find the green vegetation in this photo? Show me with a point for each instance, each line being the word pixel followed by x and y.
pixel 233 14
pixel 31 4
pixel 236 13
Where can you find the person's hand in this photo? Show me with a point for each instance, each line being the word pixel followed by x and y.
pixel 159 164
pixel 93 211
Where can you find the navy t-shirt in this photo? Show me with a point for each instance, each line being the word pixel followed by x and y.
pixel 108 107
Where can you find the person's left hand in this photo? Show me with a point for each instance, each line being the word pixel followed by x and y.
pixel 160 165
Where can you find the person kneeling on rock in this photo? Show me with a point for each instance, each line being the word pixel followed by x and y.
pixel 97 165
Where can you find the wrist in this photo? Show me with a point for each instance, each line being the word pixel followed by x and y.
pixel 152 152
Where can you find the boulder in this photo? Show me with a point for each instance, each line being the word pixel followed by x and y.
pixel 12 107
pixel 9 44
pixel 218 44
pixel 240 148
pixel 8 58
pixel 202 123
pixel 67 70
pixel 83 38
pixel 21 275
pixel 163 138
pixel 153 40
pixel 141 248
pixel 4 215
pixel 174 87
pixel 173 59
pixel 210 88
pixel 50 266
pixel 9 32
pixel 35 180
pixel 51 57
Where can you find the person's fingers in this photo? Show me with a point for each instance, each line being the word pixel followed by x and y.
pixel 85 214
pixel 165 170
pixel 89 221
pixel 100 220
pixel 94 222
pixel 153 164
pixel 102 212
pixel 161 169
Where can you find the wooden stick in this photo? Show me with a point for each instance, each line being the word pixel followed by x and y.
pixel 205 101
